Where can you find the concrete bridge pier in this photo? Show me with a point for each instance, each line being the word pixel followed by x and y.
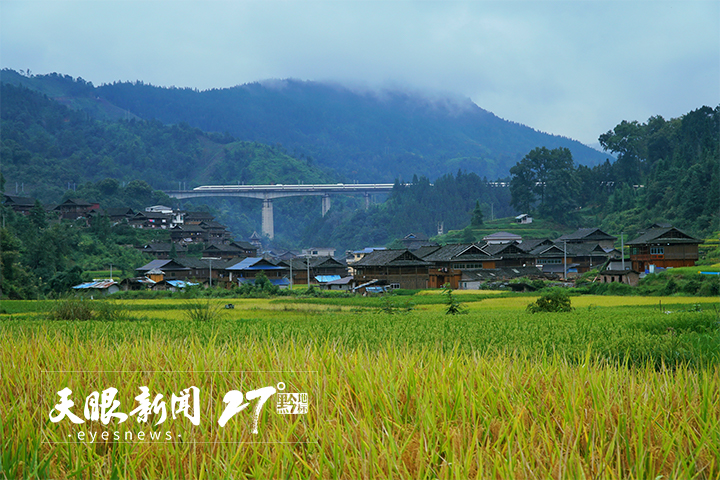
pixel 367 200
pixel 267 218
pixel 325 204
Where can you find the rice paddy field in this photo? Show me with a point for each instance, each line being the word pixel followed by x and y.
pixel 621 387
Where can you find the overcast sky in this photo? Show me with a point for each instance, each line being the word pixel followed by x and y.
pixel 571 68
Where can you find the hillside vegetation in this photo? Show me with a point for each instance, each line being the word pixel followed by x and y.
pixel 364 136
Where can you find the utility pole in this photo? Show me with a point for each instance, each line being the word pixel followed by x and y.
pixel 565 260
pixel 210 259
pixel 622 249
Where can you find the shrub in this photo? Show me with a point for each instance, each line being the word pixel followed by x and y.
pixel 555 301
pixel 617 288
pixel 202 310
pixel 72 308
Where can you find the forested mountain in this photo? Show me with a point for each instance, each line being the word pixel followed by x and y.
pixel 47 148
pixel 666 171
pixel 52 153
pixel 363 136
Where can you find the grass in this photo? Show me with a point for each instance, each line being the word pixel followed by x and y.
pixel 617 388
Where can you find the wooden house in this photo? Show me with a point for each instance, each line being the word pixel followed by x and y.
pixel 321 269
pixel 247 269
pixel 21 205
pixel 588 236
pixel 448 263
pixel 75 208
pixel 397 268
pixel 628 277
pixel 663 246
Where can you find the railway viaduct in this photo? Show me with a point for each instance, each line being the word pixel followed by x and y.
pixel 267 193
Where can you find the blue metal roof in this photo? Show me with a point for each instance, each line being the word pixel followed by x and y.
pixel 327 278
pixel 250 263
pixel 181 283
pixel 100 284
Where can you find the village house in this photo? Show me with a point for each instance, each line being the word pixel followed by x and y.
pixel 119 214
pixel 663 246
pixel 170 269
pixel 98 287
pixel 628 277
pixel 196 218
pixel 345 284
pixel 162 250
pixel 215 231
pixel 318 252
pixel 413 241
pixel 590 236
pixel 189 233
pixel 448 263
pixel 230 250
pixel 506 254
pixel 322 270
pixel 475 279
pixel 502 237
pixel 523 218
pixel 75 208
pixel 151 220
pixel 571 258
pixel 397 268
pixel 246 270
pixel 21 205
pixel 203 269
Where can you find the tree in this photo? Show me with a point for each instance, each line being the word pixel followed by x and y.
pixel 38 217
pixel 477 216
pixel 545 179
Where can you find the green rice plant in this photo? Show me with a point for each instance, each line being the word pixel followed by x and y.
pixel 452 305
pixel 72 308
pixel 392 411
pixel 202 310
pixel 111 310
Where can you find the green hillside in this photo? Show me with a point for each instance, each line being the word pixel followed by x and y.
pixel 363 136
pixel 539 228
pixel 48 148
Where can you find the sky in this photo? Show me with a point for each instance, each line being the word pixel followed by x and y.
pixel 571 68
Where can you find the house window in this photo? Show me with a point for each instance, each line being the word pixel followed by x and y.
pixel 657 251
pixel 552 261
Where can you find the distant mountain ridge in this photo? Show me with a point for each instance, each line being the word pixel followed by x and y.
pixel 363 136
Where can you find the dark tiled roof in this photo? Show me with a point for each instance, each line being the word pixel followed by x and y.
pixel 465 251
pixel 505 249
pixel 583 233
pixel 532 243
pixel 499 274
pixel 165 265
pixel 20 201
pixel 199 264
pixel 162 247
pixel 425 250
pixel 664 235
pixel 244 245
pixel 392 258
pixel 315 262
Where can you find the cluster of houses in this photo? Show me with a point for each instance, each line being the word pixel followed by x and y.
pixel 420 264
